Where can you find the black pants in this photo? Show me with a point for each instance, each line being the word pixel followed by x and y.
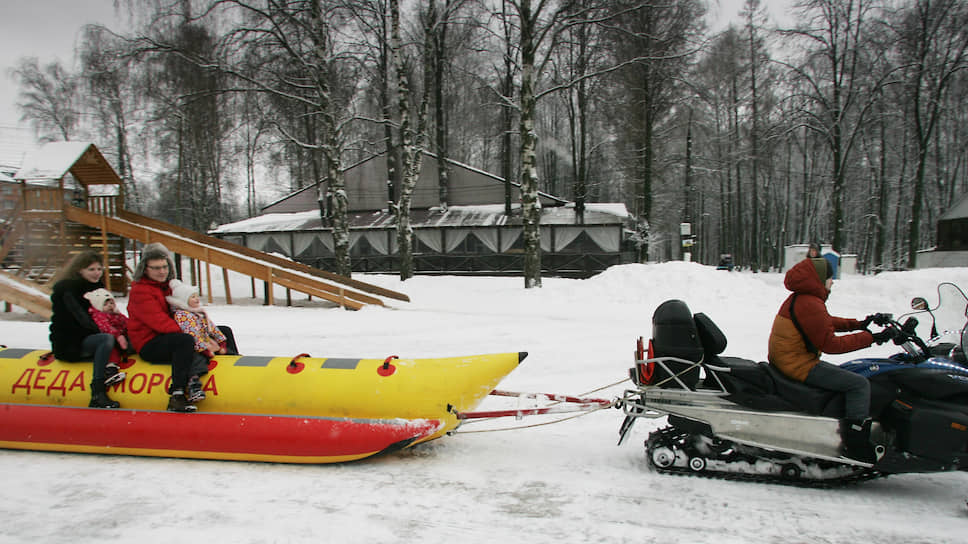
pixel 99 347
pixel 856 388
pixel 176 349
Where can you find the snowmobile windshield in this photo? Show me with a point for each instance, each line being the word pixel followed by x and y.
pixel 951 312
pixel 944 321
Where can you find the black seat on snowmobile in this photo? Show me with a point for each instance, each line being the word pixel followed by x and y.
pixel 674 334
pixel 749 384
pixel 804 397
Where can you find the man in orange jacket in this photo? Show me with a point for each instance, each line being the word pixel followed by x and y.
pixel 803 329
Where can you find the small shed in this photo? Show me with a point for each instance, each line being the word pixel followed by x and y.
pixel 52 174
pixel 952 239
pixel 74 169
pixel 953 227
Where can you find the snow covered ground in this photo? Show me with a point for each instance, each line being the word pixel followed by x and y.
pixel 560 482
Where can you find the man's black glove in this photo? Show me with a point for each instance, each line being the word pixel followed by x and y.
pixel 887 334
pixel 877 319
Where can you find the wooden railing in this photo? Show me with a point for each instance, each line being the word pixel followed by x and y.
pixel 272 259
pixel 26 297
pixel 258 267
pixel 103 205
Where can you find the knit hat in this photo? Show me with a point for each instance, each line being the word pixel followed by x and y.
pixel 823 268
pixel 153 252
pixel 98 298
pixel 180 293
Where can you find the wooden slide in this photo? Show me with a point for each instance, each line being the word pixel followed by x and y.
pixel 346 292
pixel 30 296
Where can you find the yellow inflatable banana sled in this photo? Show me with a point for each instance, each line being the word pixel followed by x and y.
pixel 279 409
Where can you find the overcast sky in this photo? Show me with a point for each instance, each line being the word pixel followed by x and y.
pixel 46 29
pixel 49 30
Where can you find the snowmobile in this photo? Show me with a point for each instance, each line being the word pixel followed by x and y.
pixel 735 418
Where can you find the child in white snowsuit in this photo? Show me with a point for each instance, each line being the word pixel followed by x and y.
pixel 191 316
pixel 104 311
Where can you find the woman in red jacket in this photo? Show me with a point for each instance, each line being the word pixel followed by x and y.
pixel 152 330
pixel 803 329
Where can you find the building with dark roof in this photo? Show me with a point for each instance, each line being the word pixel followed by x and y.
pixel 473 234
pixel 952 239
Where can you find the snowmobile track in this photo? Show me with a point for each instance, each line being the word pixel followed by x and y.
pixel 676 440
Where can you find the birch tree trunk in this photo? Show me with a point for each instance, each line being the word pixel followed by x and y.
pixel 530 205
pixel 411 141
pixel 331 145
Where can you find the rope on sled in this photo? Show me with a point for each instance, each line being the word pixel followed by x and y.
pixel 578 415
pixel 596 390
pixel 559 420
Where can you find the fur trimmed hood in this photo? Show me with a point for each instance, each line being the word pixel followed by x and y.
pixel 151 252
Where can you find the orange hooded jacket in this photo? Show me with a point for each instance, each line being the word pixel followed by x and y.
pixel 787 350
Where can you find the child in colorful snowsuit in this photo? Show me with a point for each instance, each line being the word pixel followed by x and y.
pixel 104 311
pixel 191 316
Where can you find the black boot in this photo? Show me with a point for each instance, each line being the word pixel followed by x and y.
pixel 195 392
pixel 99 397
pixel 857 440
pixel 178 403
pixel 113 374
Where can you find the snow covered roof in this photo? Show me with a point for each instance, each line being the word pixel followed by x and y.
pixel 367 188
pixel 487 215
pixel 49 163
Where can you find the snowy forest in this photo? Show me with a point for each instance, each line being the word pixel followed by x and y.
pixel 849 126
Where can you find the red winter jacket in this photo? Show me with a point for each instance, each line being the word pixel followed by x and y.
pixel 115 324
pixel 787 350
pixel 148 312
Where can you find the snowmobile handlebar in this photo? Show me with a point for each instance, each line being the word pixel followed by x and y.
pixel 882 319
pixel 905 332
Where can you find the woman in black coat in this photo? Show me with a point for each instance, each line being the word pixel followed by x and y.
pixel 73 334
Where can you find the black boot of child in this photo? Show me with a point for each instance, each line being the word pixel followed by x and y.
pixel 99 397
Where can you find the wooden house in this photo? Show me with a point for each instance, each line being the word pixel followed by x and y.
pixel 952 239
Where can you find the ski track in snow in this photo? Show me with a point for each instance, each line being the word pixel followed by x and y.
pixel 564 482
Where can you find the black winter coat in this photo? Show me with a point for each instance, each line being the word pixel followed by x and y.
pixel 70 323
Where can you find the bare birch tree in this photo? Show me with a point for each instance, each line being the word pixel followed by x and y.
pixel 412 139
pixel 48 98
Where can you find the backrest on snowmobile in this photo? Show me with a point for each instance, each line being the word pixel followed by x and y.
pixel 712 338
pixel 674 334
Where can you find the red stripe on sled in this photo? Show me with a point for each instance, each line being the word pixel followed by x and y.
pixel 200 432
